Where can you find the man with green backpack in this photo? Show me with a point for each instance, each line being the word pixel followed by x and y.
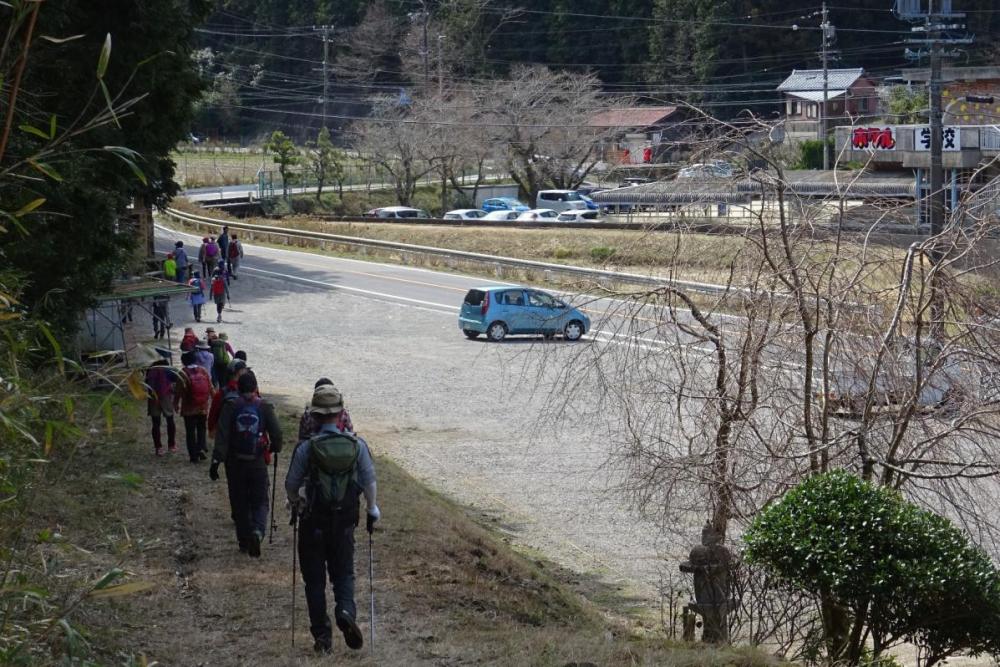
pixel 325 480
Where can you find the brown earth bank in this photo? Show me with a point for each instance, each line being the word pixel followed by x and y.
pixel 448 591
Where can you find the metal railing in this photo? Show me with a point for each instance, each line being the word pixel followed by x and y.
pixel 474 257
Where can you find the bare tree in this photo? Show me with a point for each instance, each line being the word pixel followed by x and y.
pixel 393 140
pixel 370 50
pixel 823 351
pixel 543 118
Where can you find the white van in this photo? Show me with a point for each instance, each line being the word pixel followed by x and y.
pixel 561 200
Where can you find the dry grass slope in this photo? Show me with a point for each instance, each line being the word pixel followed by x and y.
pixel 449 591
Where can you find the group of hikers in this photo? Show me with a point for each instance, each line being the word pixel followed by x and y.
pixel 219 260
pixel 217 395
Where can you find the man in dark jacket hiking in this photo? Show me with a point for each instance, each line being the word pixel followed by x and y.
pixel 325 480
pixel 246 426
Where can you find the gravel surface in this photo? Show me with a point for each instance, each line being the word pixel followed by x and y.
pixel 474 420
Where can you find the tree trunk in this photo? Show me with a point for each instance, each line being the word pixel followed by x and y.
pixel 444 190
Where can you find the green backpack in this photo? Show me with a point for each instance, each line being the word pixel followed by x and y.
pixel 333 459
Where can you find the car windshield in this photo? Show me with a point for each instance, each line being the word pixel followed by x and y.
pixel 541 299
pixel 573 196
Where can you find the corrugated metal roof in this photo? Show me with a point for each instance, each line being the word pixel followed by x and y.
pixel 812 79
pixel 731 190
pixel 637 117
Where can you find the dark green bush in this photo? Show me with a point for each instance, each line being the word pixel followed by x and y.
pixel 900 573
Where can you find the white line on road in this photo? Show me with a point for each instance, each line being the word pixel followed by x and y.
pixel 450 310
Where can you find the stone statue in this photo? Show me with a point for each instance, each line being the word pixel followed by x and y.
pixel 710 564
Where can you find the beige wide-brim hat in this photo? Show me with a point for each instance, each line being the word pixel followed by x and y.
pixel 327 400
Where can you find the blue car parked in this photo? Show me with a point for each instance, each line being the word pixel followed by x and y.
pixel 502 311
pixel 504 204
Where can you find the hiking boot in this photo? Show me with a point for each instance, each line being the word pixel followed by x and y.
pixel 219 318
pixel 253 548
pixel 243 547
pixel 159 451
pixel 352 633
pixel 202 455
pixel 323 646
pixel 172 449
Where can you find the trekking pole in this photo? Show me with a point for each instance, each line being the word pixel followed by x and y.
pixel 371 589
pixel 295 541
pixel 274 494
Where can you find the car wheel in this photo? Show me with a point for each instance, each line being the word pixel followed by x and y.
pixel 497 331
pixel 470 334
pixel 573 330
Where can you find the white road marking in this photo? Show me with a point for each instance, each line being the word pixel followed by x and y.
pixel 450 310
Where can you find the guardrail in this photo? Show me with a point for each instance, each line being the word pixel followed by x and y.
pixel 490 260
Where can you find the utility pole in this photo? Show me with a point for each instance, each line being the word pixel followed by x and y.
pixel 825 29
pixel 440 66
pixel 426 53
pixel 938 34
pixel 936 207
pixel 325 29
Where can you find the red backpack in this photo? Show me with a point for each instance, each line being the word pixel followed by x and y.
pixel 218 286
pixel 234 250
pixel 200 385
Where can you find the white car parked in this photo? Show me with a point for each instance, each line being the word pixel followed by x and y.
pixel 396 212
pixel 500 215
pixel 465 214
pixel 536 214
pixel 579 216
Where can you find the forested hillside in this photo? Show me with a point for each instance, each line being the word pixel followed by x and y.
pixel 265 57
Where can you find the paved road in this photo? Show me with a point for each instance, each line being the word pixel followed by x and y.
pixel 493 426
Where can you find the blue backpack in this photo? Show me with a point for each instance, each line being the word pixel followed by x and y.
pixel 247 437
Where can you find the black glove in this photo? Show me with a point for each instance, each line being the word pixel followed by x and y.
pixel 213 471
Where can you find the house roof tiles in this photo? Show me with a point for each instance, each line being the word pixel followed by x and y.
pixel 633 117
pixel 812 79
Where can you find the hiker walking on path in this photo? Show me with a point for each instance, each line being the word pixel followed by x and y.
pixel 221 356
pixel 181 258
pixel 197 297
pixel 192 403
pixel 210 249
pixel 228 391
pixel 161 316
pixel 224 246
pixel 170 267
pixel 203 356
pixel 309 426
pixel 189 341
pixel 219 290
pixel 326 477
pixel 235 255
pixel 161 381
pixel 240 445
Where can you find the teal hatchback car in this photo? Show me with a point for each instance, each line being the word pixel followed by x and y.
pixel 502 311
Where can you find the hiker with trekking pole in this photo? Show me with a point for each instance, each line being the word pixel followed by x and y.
pixel 327 475
pixel 246 426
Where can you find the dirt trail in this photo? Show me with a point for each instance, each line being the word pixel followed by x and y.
pixel 214 605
